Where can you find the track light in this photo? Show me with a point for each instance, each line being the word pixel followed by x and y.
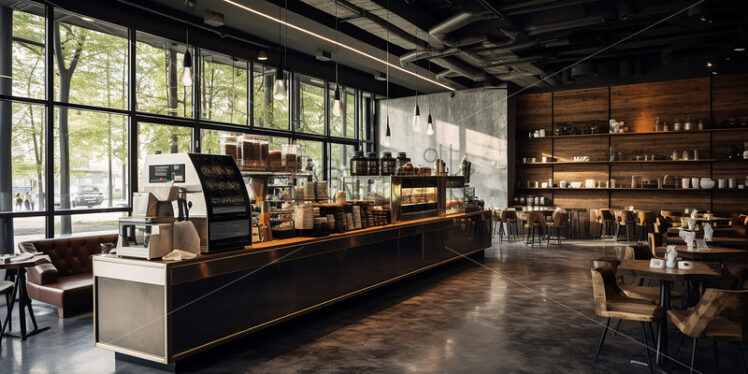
pixel 187 69
pixel 262 55
pixel 337 109
pixel 279 87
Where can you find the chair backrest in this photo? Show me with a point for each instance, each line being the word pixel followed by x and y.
pixel 654 241
pixel 647 218
pixel 714 304
pixel 603 284
pixel 560 218
pixel 606 215
pixel 535 218
pixel 508 215
pixel 637 252
pixel 70 255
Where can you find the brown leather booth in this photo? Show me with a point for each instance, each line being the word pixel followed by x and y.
pixel 66 282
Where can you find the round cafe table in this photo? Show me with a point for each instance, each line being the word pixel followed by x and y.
pixel 19 289
pixel 640 268
pixel 714 253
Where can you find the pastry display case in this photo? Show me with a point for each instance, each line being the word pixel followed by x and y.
pixel 406 197
pixel 455 195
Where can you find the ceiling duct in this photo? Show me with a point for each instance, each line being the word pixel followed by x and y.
pixel 583 69
pixel 458 21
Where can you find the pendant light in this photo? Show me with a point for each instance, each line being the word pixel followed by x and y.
pixel 187 62
pixel 388 133
pixel 262 55
pixel 337 108
pixel 279 87
pixel 430 121
pixel 417 110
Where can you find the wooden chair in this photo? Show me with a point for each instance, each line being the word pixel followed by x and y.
pixel 6 288
pixel 611 303
pixel 625 219
pixel 646 224
pixel 535 226
pixel 672 217
pixel 509 219
pixel 559 221
pixel 607 220
pixel 496 221
pixel 654 241
pixel 720 315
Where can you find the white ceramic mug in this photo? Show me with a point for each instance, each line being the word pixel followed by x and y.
pixel 695 182
pixel 721 183
pixel 684 182
pixel 732 183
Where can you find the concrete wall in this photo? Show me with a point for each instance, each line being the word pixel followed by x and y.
pixel 473 122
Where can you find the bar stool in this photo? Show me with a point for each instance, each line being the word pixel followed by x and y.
pixel 646 224
pixel 535 225
pixel 508 219
pixel 607 220
pixel 625 219
pixel 559 221
pixel 496 220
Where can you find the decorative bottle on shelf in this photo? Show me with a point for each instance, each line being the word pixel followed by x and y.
pixel 701 125
pixel 687 124
pixel 676 125
pixel 674 156
pixel 658 125
pixel 685 155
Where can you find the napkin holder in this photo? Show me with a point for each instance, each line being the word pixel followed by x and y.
pixel 657 263
pixel 685 265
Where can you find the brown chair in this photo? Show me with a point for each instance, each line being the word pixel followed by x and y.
pixel 611 303
pixel 672 217
pixel 653 242
pixel 607 220
pixel 509 219
pixel 625 219
pixel 66 282
pixel 535 226
pixel 559 221
pixel 646 224
pixel 720 315
pixel 496 221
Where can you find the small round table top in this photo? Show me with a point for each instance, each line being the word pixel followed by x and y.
pixel 714 252
pixel 33 261
pixel 640 268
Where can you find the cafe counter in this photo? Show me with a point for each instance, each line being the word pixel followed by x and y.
pixel 159 312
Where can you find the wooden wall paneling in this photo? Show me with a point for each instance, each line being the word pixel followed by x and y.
pixel 725 203
pixel 723 141
pixel 581 172
pixel 658 200
pixel 662 145
pixel 729 97
pixel 639 104
pixel 534 112
pixel 731 169
pixel 580 105
pixel 596 147
pixel 585 199
pixel 532 174
pixel 534 148
pixel 622 172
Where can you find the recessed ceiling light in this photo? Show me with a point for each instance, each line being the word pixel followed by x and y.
pixel 335 42
pixel 714 72
pixel 709 64
pixel 739 49
pixel 87 19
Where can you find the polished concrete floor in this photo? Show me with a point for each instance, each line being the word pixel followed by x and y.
pixel 519 310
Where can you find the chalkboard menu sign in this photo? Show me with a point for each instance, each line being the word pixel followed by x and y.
pixel 226 200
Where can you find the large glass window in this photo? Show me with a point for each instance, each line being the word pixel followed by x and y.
pixel 312 154
pixel 364 117
pixel 223 92
pixel 23 159
pixel 340 154
pixel 159 65
pixel 90 159
pixel 311 105
pixel 343 125
pixel 90 62
pixel 28 52
pixel 269 111
pixel 155 138
pixel 88 224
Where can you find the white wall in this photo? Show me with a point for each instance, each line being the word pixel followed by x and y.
pixel 473 122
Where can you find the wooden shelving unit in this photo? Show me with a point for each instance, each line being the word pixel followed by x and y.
pixel 711 99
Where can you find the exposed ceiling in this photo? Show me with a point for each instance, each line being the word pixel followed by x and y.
pixel 528 42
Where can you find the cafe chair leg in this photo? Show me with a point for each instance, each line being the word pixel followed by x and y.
pixel 646 348
pixel 693 354
pixel 618 327
pixel 602 340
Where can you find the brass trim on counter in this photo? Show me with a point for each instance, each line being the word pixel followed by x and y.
pixel 130 352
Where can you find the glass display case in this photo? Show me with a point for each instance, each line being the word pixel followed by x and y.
pixel 455 195
pixel 406 197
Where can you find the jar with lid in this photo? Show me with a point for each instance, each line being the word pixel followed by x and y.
pixel 400 163
pixel 290 156
pixel 388 164
pixel 358 164
pixel 230 148
pixel 372 162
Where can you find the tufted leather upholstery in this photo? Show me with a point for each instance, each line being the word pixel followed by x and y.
pixel 67 282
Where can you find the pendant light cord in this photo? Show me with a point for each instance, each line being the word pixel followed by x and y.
pixel 387 50
pixel 337 80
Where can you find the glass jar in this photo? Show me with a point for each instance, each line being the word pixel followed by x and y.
pixel 358 164
pixel 290 156
pixel 372 162
pixel 388 164
pixel 230 148
pixel 400 163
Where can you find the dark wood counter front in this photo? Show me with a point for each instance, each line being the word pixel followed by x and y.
pixel 164 311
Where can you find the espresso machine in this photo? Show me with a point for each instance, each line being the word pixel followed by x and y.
pixel 149 232
pixel 212 195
